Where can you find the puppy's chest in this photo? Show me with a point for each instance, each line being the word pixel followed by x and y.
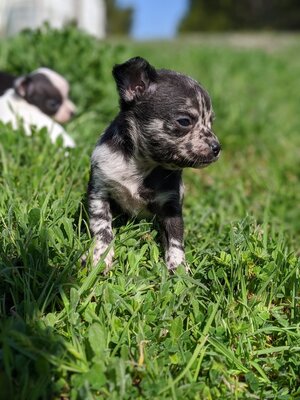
pixel 138 194
pixel 135 189
pixel 123 182
pixel 128 192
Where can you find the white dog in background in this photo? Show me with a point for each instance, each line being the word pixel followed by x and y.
pixel 39 100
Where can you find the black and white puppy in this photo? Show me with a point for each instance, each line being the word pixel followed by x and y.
pixel 164 125
pixel 37 99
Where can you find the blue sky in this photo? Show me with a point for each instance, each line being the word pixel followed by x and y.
pixel 155 18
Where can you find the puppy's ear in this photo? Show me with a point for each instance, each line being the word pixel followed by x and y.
pixel 24 86
pixel 133 78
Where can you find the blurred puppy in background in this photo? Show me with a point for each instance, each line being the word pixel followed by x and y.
pixel 39 99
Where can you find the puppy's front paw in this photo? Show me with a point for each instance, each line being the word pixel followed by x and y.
pixel 174 258
pixel 98 253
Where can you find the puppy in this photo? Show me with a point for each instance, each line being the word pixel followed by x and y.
pixel 164 125
pixel 37 100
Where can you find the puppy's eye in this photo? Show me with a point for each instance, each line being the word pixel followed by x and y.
pixel 53 104
pixel 184 122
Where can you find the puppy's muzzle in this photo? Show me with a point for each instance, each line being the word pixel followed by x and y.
pixel 66 111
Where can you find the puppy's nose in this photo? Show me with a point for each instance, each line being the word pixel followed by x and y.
pixel 216 148
pixel 72 113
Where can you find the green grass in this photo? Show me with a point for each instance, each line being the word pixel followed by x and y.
pixel 231 328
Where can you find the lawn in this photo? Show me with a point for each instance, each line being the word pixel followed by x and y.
pixel 228 330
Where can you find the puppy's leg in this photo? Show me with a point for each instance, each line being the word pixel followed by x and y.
pixel 101 228
pixel 172 229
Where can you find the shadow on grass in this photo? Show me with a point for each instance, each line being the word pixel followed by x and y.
pixel 35 271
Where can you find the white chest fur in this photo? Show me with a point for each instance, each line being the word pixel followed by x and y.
pixel 120 178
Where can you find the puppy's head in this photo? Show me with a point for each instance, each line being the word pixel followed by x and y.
pixel 48 91
pixel 170 115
